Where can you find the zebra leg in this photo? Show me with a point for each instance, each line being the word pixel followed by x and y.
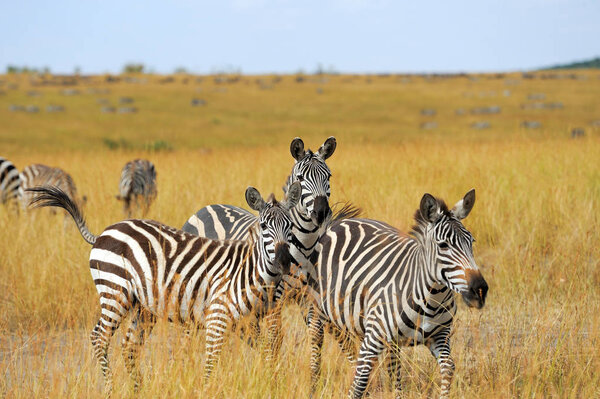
pixel 274 335
pixel 371 347
pixel 217 323
pixel 250 332
pixel 100 337
pixel 345 343
pixel 440 348
pixel 141 326
pixel 316 332
pixel 394 370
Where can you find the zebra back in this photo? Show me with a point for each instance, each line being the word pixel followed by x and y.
pixel 42 175
pixel 9 181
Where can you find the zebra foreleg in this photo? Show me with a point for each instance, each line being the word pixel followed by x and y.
pixel 345 343
pixel 316 332
pixel 370 348
pixel 141 326
pixel 440 348
pixel 274 335
pixel 394 370
pixel 217 324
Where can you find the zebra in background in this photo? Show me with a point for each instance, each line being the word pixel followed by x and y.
pixel 149 270
pixel 42 175
pixel 389 289
pixel 9 182
pixel 230 222
pixel 138 179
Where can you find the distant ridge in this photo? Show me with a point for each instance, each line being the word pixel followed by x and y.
pixel 593 63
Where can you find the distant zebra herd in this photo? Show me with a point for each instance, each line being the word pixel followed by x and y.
pixel 137 184
pixel 374 288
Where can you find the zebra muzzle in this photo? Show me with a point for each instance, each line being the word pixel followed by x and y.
pixel 476 291
pixel 321 209
pixel 283 259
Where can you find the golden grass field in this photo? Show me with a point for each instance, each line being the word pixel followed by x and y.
pixel 536 221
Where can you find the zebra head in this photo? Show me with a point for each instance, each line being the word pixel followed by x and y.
pixel 449 247
pixel 313 174
pixel 275 225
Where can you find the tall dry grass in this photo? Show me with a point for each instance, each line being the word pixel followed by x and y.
pixel 535 221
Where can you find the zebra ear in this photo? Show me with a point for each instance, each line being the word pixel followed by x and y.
pixel 327 148
pixel 297 148
pixel 293 195
pixel 254 199
pixel 430 209
pixel 463 207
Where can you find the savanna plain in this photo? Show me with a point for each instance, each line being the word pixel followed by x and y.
pixel 535 221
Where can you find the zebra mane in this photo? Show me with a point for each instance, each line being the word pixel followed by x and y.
pixel 341 211
pixel 418 230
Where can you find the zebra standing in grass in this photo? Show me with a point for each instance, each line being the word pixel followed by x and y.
pixel 151 270
pixel 138 179
pixel 230 222
pixel 42 175
pixel 9 182
pixel 389 289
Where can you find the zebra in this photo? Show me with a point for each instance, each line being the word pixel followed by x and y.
pixel 138 179
pixel 230 222
pixel 41 175
pixel 389 289
pixel 150 270
pixel 9 182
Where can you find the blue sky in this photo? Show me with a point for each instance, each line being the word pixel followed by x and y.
pixel 284 36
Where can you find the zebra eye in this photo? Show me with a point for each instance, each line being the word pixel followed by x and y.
pixel 300 177
pixel 443 245
pixel 263 225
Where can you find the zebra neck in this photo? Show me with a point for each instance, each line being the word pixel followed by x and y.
pixel 305 231
pixel 425 287
pixel 265 274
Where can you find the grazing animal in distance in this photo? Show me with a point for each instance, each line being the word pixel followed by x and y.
pixel 42 175
pixel 9 182
pixel 149 270
pixel 388 289
pixel 137 185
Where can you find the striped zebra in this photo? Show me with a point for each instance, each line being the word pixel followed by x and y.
pixel 150 270
pixel 9 182
pixel 42 175
pixel 230 222
pixel 388 289
pixel 138 181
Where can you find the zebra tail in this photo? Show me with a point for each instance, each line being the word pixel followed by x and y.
pixel 54 196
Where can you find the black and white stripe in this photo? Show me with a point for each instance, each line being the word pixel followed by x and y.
pixel 388 289
pixel 137 185
pixel 9 182
pixel 150 270
pixel 230 222
pixel 42 175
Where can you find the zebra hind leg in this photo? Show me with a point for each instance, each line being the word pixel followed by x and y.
pixel 440 348
pixel 100 337
pixel 141 326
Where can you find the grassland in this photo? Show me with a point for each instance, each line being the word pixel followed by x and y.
pixel 536 221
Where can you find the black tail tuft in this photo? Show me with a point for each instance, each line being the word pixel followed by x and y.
pixel 49 196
